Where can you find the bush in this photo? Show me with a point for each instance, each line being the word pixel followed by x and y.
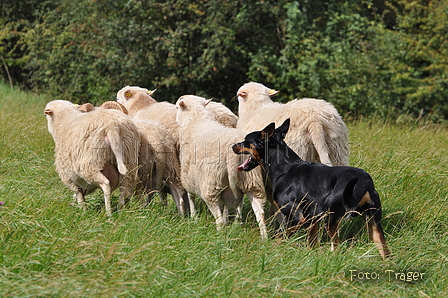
pixel 367 58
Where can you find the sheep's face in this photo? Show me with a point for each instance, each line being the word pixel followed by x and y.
pixel 254 92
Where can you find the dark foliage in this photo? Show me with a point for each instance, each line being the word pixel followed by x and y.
pixel 375 57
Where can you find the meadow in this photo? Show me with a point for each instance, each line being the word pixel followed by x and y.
pixel 51 248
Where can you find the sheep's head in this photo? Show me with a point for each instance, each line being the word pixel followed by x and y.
pixel 254 91
pixel 56 108
pixel 190 106
pixel 129 92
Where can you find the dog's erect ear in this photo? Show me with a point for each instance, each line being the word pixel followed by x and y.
pixel 268 131
pixel 283 129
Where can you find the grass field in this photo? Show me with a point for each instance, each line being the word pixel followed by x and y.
pixel 50 248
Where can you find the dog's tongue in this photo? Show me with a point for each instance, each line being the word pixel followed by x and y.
pixel 243 165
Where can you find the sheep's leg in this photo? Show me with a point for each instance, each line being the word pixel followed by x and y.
pixel 239 212
pixel 125 191
pixel 177 196
pixel 317 134
pixel 214 208
pixel 105 186
pixel 80 198
pixel 258 207
pixel 192 205
pixel 163 197
pixel 225 212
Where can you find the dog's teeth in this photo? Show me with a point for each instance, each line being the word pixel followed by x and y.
pixel 244 164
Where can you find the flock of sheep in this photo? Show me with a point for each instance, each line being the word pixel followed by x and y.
pixel 143 146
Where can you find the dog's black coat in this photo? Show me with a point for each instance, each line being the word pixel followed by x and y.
pixel 306 191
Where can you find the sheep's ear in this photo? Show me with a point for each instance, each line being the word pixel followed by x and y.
pixel 85 108
pixel 182 105
pixel 48 112
pixel 283 129
pixel 151 92
pixel 127 94
pixel 268 131
pixel 273 92
pixel 242 93
pixel 207 101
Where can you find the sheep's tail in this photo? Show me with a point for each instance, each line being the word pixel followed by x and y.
pixel 317 134
pixel 115 141
pixel 233 178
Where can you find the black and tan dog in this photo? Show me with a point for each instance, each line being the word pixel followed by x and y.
pixel 307 192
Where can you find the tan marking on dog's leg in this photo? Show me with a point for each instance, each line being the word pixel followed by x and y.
pixel 313 234
pixel 365 199
pixel 377 237
pixel 333 232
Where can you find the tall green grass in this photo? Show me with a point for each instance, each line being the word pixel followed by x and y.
pixel 50 248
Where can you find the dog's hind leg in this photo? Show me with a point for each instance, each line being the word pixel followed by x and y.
pixel 317 135
pixel 376 235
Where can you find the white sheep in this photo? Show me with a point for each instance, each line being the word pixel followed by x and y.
pixel 209 168
pixel 159 162
pixel 317 132
pixel 94 150
pixel 159 169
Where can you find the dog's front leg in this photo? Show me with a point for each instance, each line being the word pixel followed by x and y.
pixel 313 234
pixel 333 231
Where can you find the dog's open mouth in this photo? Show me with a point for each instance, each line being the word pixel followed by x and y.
pixel 247 165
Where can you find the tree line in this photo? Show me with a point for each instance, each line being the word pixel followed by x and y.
pixel 370 57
